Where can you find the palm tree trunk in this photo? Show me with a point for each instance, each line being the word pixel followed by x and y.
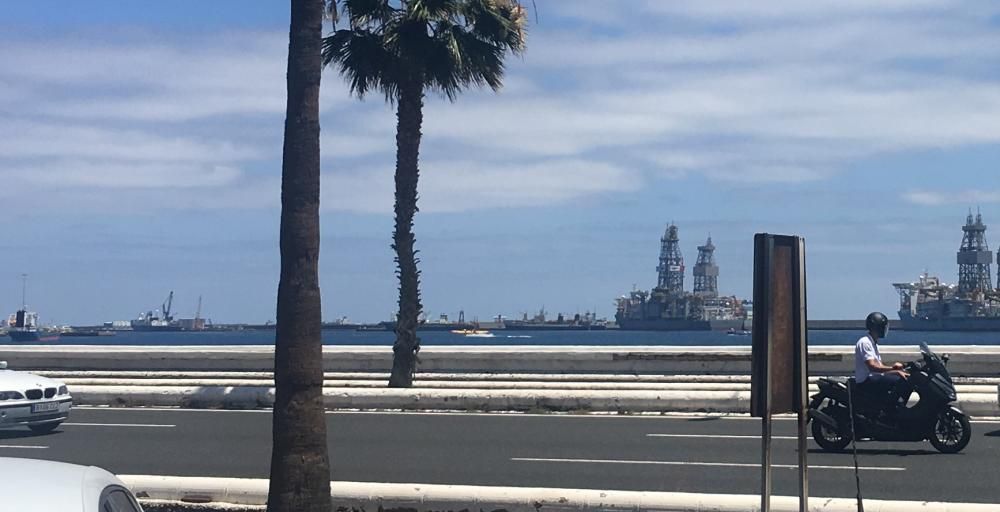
pixel 300 465
pixel 409 117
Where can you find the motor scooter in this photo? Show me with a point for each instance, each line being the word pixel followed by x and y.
pixel 934 417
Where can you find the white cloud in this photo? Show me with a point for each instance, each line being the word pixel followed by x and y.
pixel 454 186
pixel 781 91
pixel 716 10
pixel 159 79
pixel 768 174
pixel 28 139
pixel 119 175
pixel 337 144
pixel 961 197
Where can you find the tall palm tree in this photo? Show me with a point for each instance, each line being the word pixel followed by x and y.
pixel 300 465
pixel 404 49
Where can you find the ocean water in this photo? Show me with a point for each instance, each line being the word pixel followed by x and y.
pixel 555 338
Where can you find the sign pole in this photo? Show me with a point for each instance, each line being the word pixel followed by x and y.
pixel 779 372
pixel 803 374
pixel 765 436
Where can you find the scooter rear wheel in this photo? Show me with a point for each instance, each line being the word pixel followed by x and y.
pixel 951 432
pixel 829 439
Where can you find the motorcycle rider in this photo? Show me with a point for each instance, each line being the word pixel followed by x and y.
pixel 873 377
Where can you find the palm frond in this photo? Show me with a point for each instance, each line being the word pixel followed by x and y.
pixel 431 10
pixel 499 21
pixel 362 59
pixel 481 61
pixel 440 45
pixel 366 12
pixel 443 70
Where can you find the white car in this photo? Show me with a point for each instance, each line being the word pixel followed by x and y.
pixel 29 485
pixel 36 402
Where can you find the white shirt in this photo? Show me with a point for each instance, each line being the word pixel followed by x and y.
pixel 865 350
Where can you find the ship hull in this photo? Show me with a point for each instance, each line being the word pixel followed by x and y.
pixel 679 324
pixel 951 324
pixel 31 336
pixel 552 327
pixel 148 328
pixel 432 326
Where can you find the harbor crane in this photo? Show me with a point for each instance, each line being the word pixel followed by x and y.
pixel 167 304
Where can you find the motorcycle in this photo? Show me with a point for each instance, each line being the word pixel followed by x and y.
pixel 933 417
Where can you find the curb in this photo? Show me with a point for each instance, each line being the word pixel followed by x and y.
pixel 369 496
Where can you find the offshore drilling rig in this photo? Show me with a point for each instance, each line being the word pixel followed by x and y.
pixel 972 305
pixel 669 307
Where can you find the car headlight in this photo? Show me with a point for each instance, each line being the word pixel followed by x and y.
pixel 11 395
pixel 63 390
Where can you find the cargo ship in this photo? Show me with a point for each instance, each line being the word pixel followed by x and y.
pixel 668 307
pixel 153 321
pixel 22 326
pixel 442 323
pixel 540 322
pixel 972 305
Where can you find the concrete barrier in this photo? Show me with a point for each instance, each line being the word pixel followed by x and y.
pixel 432 497
pixel 824 360
pixel 381 377
pixel 519 400
pixel 514 378
pixel 468 384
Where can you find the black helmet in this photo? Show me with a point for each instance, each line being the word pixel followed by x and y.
pixel 878 324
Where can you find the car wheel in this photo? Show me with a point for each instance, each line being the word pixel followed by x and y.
pixel 951 432
pixel 44 428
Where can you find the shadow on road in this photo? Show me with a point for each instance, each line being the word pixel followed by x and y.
pixel 24 434
pixel 875 451
pixel 995 433
pixel 705 418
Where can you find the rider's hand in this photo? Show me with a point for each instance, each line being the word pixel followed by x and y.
pixel 901 373
pixel 897 366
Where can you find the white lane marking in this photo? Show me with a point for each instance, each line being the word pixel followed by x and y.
pixel 710 464
pixel 105 408
pixel 719 436
pixel 24 446
pixel 117 425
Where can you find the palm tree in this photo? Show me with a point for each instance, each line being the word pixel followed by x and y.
pixel 403 49
pixel 300 465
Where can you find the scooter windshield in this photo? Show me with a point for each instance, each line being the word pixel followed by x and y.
pixel 924 349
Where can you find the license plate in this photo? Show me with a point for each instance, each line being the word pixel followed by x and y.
pixel 46 407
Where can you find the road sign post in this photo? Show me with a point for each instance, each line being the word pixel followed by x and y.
pixel 779 377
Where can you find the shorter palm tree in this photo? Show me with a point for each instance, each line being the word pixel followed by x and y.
pixel 403 49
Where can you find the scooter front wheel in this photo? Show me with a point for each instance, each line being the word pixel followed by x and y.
pixel 829 439
pixel 951 432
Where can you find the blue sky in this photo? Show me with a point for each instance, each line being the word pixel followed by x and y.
pixel 140 153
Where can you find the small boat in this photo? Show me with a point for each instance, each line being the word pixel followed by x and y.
pixel 472 332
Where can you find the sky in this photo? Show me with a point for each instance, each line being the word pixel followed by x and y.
pixel 140 153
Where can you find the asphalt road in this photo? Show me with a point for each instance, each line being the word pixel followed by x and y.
pixel 694 454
